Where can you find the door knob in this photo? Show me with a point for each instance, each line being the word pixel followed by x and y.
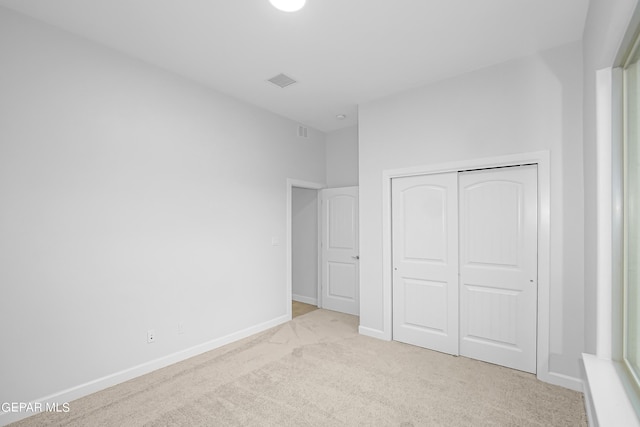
pixel 356 257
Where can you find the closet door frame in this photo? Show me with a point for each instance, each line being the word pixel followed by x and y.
pixel 541 159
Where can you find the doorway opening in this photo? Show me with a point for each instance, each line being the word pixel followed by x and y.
pixel 303 233
pixel 322 247
pixel 304 250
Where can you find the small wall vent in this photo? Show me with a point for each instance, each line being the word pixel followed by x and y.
pixel 282 80
pixel 303 132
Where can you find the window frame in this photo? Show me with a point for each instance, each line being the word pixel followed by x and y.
pixel 619 222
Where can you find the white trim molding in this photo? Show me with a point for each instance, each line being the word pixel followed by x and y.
pixel 289 273
pixel 99 384
pixel 606 400
pixel 604 126
pixel 607 397
pixel 542 160
pixel 304 299
pixel 373 333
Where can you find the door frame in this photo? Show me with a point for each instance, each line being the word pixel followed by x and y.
pixel 541 159
pixel 289 227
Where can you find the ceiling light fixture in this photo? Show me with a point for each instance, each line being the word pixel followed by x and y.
pixel 288 5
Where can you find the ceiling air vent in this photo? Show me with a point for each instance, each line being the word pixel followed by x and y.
pixel 282 80
pixel 303 132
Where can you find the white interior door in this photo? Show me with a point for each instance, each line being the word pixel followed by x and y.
pixel 465 263
pixel 498 266
pixel 425 261
pixel 340 266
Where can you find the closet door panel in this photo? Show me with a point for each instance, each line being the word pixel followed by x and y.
pixel 425 261
pixel 498 266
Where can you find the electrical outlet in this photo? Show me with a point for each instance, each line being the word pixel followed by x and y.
pixel 151 336
pixel 180 327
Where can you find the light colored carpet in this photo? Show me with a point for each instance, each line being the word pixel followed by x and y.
pixel 317 371
pixel 299 308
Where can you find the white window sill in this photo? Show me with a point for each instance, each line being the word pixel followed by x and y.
pixel 608 404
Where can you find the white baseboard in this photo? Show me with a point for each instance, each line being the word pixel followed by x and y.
pixel 373 333
pixel 554 378
pixel 98 384
pixel 306 300
pixel 588 399
pixel 562 380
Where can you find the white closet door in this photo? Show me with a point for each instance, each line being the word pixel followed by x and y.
pixel 425 261
pixel 498 266
pixel 340 265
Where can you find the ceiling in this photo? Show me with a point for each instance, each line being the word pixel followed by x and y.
pixel 341 52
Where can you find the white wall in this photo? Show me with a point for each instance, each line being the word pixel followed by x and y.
pixel 342 157
pixel 606 24
pixel 131 199
pixel 304 245
pixel 526 105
